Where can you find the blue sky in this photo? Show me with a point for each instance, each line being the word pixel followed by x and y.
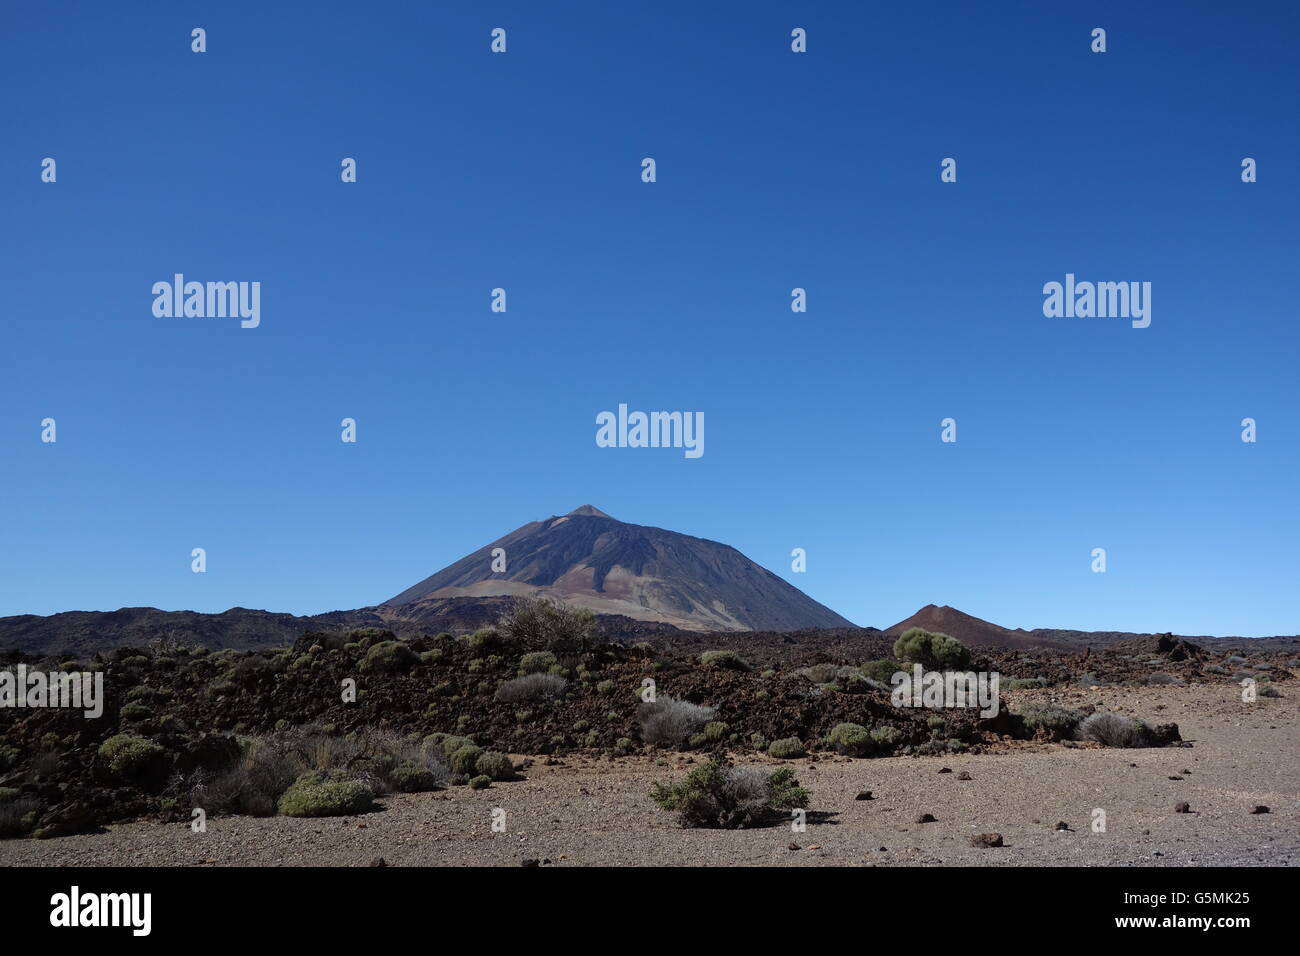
pixel 775 170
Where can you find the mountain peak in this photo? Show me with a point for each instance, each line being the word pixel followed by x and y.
pixel 643 573
pixel 589 510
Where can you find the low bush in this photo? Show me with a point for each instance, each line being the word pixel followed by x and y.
pixel 531 688
pixel 787 748
pixel 389 657
pixel 494 766
pixel 716 795
pixel 849 738
pixel 133 758
pixel 537 662
pixel 726 659
pixel 465 760
pixel 668 721
pixel 1114 730
pixel 327 794
pixel 1049 720
pixel 882 670
pixel 18 816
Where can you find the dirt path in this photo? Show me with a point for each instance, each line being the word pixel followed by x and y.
pixel 596 812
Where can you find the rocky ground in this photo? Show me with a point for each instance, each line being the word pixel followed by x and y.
pixel 594 809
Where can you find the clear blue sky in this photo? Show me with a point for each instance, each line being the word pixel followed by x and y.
pixel 775 170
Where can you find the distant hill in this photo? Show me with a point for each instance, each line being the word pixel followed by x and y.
pixel 971 630
pixel 976 631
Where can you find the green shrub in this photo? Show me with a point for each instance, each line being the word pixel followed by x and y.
pixel 135 711
pixel 1049 720
pixel 389 657
pixel 450 743
pixel 606 687
pixel 481 782
pixel 410 776
pixel 931 651
pixel 131 757
pixel 715 731
pixel 882 670
pixel 537 662
pixel 849 738
pixel 9 793
pixel 465 760
pixel 727 659
pixel 787 748
pixel 716 795
pixel 494 766
pixel 327 794
pixel 886 737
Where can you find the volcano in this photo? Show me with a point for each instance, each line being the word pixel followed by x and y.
pixel 589 559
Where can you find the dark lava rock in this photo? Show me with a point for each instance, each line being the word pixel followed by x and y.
pixel 963 776
pixel 986 839
pixel 864 795
pixel 1062 825
pixel 926 818
pixel 1183 807
pixel 1260 809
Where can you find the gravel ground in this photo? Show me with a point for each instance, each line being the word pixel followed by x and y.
pixel 588 811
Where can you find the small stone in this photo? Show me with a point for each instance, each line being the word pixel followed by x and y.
pixel 864 795
pixel 963 776
pixel 531 862
pixel 1260 809
pixel 986 839
pixel 795 846
pixel 1062 825
pixel 926 818
pixel 1175 777
pixel 379 861
pixel 1183 807
pixel 945 770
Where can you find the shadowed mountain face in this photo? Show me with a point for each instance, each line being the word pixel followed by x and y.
pixel 589 559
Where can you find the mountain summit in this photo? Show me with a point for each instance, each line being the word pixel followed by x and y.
pixel 588 559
